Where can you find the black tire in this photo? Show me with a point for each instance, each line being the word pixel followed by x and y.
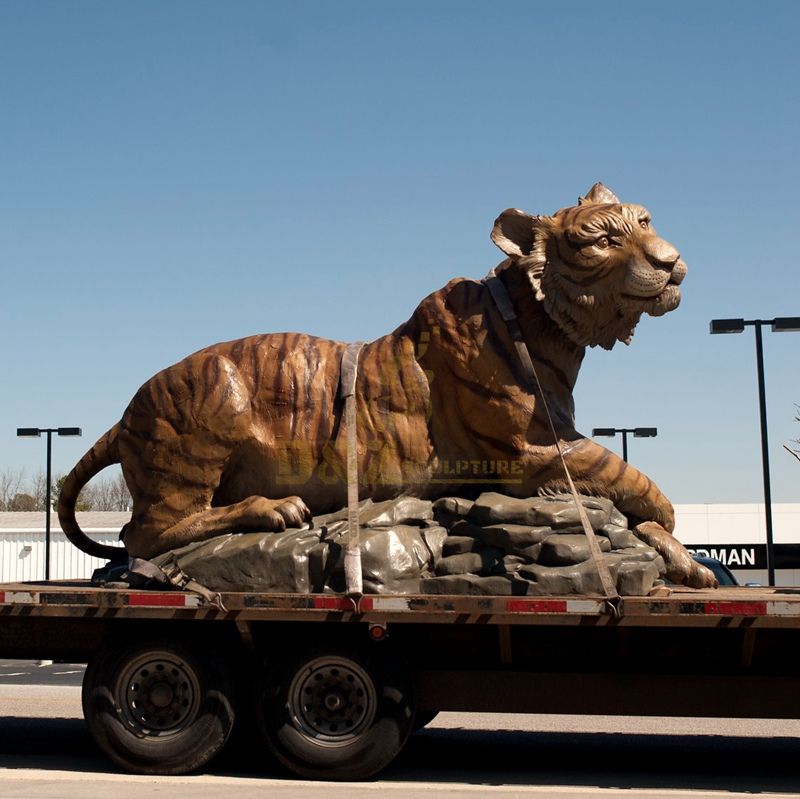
pixel 336 714
pixel 158 707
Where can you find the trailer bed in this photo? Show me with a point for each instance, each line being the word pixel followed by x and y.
pixel 674 606
pixel 730 652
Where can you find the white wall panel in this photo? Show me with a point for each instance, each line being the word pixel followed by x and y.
pixel 22 555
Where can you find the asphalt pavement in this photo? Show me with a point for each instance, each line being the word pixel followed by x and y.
pixel 47 753
pixel 38 672
pixel 461 756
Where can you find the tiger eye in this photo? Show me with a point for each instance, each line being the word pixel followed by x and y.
pixel 602 242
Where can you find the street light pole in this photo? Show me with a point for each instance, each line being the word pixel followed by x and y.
pixel 48 504
pixel 762 412
pixel 638 432
pixel 36 432
pixel 779 325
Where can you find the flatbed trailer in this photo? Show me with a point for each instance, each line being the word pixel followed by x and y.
pixel 334 689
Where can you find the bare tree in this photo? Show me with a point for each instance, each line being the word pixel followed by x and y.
pixel 121 496
pixel 17 493
pixel 22 502
pixel 86 498
pixel 103 495
pixel 790 450
pixel 37 488
pixel 10 484
pixel 108 494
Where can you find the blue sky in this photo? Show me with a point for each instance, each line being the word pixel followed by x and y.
pixel 178 173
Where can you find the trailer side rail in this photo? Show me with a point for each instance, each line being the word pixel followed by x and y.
pixel 736 607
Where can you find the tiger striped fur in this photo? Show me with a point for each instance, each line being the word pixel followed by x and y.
pixel 245 435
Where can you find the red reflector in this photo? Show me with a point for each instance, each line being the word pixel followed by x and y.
pixel 536 606
pixel 332 603
pixel 168 600
pixel 377 633
pixel 341 603
pixel 736 608
pixel 2 597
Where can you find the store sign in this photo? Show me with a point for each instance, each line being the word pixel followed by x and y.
pixel 734 556
pixel 749 556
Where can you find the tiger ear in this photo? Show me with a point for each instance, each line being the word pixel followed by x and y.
pixel 599 195
pixel 513 232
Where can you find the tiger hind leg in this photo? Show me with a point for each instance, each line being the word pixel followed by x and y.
pixel 251 514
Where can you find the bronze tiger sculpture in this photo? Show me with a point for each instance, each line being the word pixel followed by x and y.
pixel 245 435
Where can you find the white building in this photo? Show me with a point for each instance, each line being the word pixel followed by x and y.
pixel 22 545
pixel 736 535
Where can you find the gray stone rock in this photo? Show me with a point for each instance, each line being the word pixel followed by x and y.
pixel 487 561
pixel 556 512
pixel 340 515
pixel 637 571
pixel 643 555
pixel 496 545
pixel 512 538
pixel 581 578
pixel 301 561
pixel 462 527
pixel 457 506
pixel 512 563
pixel 404 510
pixel 268 562
pixel 620 538
pixel 459 544
pixel 595 503
pixel 636 579
pixel 492 508
pixel 559 512
pixel 618 518
pixel 434 538
pixel 471 584
pixel 393 559
pixel 631 578
pixel 563 550
pixel 530 553
pixel 466 563
pixel 451 510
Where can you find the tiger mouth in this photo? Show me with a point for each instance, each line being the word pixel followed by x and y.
pixel 667 299
pixel 651 284
pixel 645 298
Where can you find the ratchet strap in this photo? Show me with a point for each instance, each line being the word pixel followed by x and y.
pixel 170 574
pixel 504 304
pixel 352 553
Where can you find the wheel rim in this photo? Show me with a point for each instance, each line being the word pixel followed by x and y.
pixel 158 694
pixel 332 700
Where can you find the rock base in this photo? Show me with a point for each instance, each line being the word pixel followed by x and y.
pixel 494 546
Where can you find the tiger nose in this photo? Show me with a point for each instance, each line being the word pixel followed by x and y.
pixel 661 254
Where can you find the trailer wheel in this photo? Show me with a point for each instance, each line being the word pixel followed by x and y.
pixel 158 707
pixel 335 716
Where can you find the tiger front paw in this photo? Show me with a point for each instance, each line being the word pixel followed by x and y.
pixel 682 568
pixel 700 576
pixel 293 511
pixel 276 515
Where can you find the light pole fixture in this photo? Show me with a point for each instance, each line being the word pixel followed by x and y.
pixel 781 324
pixel 36 432
pixel 638 432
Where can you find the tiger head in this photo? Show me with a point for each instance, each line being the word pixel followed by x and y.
pixel 596 267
